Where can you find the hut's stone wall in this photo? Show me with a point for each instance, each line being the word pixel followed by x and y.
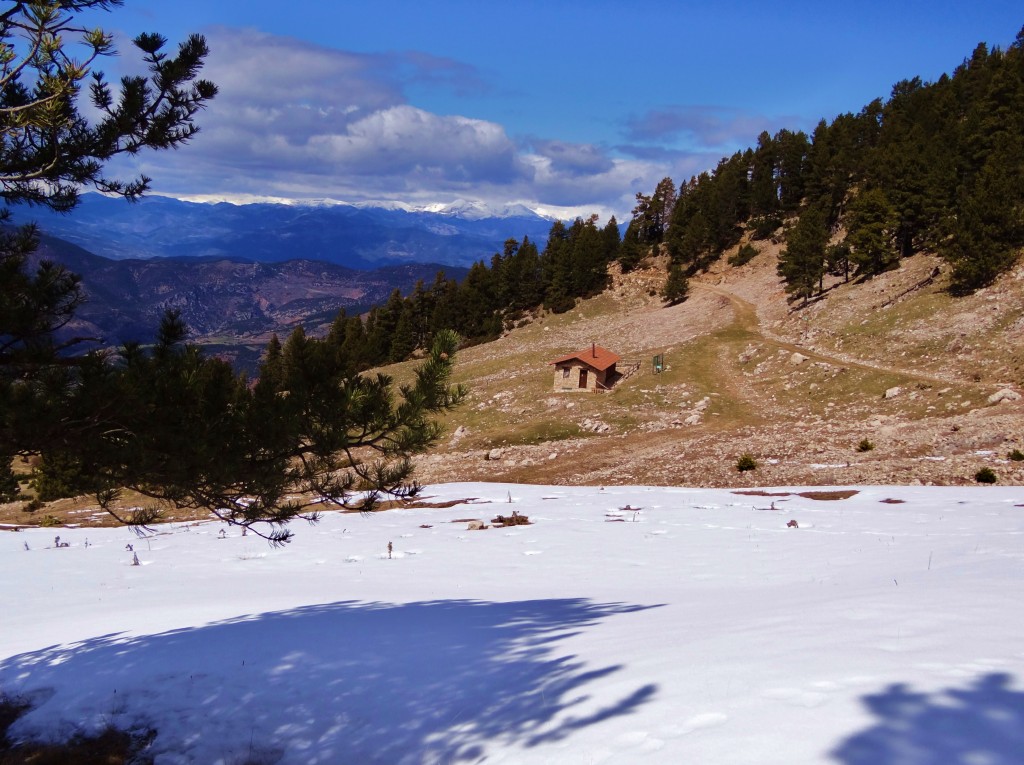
pixel 568 376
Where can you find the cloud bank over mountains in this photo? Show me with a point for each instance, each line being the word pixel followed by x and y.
pixel 298 120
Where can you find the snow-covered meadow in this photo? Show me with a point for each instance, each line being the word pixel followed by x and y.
pixel 625 625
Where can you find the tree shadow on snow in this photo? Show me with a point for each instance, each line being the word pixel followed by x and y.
pixel 356 682
pixel 979 725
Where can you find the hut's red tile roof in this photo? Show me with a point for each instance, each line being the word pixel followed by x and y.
pixel 593 355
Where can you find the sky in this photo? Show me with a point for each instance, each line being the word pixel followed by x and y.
pixel 567 107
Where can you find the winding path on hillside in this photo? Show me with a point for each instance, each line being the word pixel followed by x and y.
pixel 747 318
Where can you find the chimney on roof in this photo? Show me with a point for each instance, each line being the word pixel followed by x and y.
pixel 593 350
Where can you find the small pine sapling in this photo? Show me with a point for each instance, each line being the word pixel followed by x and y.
pixel 865 445
pixel 1015 455
pixel 985 475
pixel 746 462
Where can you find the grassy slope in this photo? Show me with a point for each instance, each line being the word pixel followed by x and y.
pixel 732 342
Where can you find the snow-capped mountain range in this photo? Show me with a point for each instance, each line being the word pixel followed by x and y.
pixel 363 235
pixel 459 208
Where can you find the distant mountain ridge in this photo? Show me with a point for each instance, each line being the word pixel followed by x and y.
pixel 222 299
pixel 361 236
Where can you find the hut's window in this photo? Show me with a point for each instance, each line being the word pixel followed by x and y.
pixel 565 372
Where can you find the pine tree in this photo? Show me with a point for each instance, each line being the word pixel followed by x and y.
pixel 838 258
pixel 50 148
pixel 9 488
pixel 764 191
pixel 272 367
pixel 677 285
pixel 631 252
pixel 871 233
pixel 802 263
pixel 793 149
pixel 403 342
pixel 167 421
pixel 49 152
pixel 557 269
pixel 611 240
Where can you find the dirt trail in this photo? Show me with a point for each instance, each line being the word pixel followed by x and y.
pixel 747 319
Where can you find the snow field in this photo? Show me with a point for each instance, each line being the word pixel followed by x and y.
pixel 625 625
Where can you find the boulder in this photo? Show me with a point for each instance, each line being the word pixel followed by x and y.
pixel 893 392
pixel 1004 395
pixel 495 454
pixel 797 358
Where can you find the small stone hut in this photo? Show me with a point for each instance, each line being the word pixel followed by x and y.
pixel 591 369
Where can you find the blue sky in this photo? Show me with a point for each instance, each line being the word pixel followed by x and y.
pixel 569 107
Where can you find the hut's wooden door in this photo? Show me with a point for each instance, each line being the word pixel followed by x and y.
pixel 583 378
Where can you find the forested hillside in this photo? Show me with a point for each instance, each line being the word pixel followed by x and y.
pixel 938 167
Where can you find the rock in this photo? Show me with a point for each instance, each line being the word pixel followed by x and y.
pixel 494 454
pixel 553 456
pixel 893 392
pixel 748 353
pixel 693 419
pixel 703 404
pixel 797 358
pixel 476 526
pixel 1004 395
pixel 459 433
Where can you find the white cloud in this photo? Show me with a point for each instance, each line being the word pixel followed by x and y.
pixel 297 120
pixel 705 127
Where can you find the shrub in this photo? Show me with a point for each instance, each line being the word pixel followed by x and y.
pixel 746 462
pixel 985 475
pixel 865 445
pixel 764 226
pixel 58 476
pixel 744 255
pixel 49 521
pixel 1015 455
pixel 31 507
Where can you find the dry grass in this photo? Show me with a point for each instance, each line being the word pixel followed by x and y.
pixel 827 496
